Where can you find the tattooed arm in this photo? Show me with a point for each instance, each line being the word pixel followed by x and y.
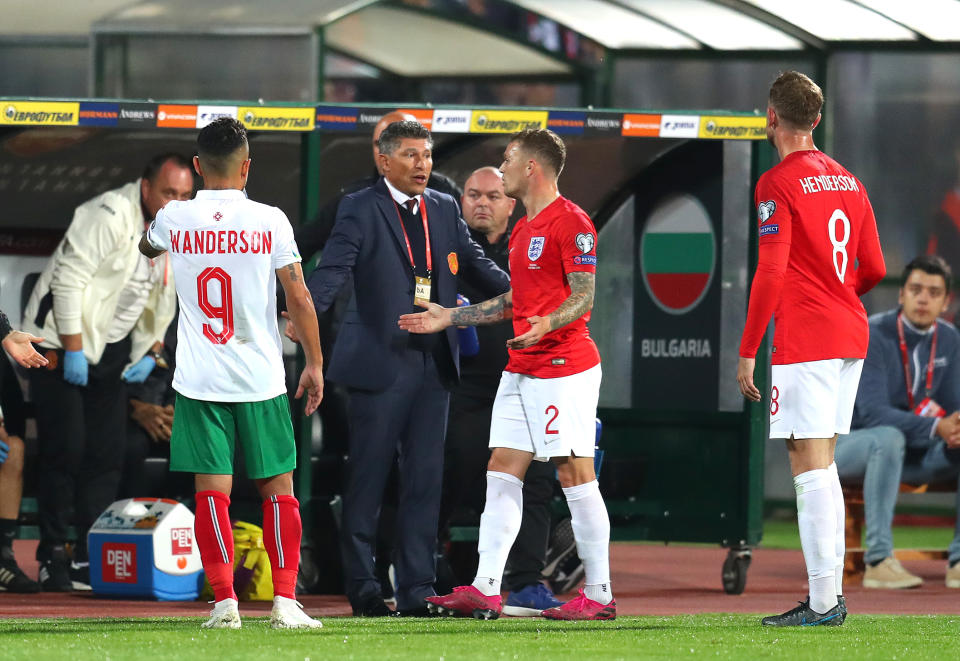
pixel 577 304
pixel 491 311
pixel 436 317
pixel 304 318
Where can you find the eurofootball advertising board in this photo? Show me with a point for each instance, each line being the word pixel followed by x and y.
pixel 334 118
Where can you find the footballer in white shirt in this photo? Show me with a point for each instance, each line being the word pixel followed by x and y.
pixel 227 252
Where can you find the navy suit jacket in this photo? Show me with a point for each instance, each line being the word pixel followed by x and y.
pixel 367 243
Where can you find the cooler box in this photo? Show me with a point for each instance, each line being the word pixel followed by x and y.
pixel 143 547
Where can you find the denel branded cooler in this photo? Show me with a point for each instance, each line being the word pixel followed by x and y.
pixel 144 547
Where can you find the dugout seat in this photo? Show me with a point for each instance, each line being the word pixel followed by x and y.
pixel 854 524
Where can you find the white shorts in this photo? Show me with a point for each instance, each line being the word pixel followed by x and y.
pixel 548 417
pixel 815 399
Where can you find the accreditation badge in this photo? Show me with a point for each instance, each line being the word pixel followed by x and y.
pixel 421 292
pixel 929 409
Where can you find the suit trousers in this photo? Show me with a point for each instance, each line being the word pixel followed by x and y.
pixel 82 435
pixel 407 419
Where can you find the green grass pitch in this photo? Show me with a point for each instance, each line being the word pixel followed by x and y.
pixel 715 636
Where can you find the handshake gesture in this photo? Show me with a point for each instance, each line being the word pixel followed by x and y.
pixel 436 318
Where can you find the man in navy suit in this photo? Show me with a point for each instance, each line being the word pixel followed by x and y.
pixel 403 243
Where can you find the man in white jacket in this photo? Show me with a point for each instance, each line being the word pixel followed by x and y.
pixel 103 309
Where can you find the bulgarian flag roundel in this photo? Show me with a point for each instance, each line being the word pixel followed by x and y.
pixel 678 254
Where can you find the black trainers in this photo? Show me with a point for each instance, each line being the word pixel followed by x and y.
pixel 55 576
pixel 12 579
pixel 372 606
pixel 842 605
pixel 55 570
pixel 804 616
pixel 80 575
pixel 563 568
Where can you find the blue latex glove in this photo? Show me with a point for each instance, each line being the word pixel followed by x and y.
pixel 4 450
pixel 467 335
pixel 140 370
pixel 75 368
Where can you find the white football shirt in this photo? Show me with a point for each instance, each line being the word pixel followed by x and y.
pixel 225 250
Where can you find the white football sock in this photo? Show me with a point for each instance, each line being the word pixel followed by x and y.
pixel 841 544
pixel 591 530
pixel 499 525
pixel 817 519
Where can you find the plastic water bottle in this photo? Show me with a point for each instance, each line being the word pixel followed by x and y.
pixel 467 335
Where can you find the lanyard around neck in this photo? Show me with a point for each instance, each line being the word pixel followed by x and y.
pixel 906 361
pixel 426 234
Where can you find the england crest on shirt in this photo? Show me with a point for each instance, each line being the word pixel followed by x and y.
pixel 535 249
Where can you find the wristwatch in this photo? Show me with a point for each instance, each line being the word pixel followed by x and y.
pixel 158 357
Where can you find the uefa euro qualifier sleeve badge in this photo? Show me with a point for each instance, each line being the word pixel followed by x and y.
pixel 585 242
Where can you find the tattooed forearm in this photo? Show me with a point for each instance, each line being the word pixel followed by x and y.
pixel 293 271
pixel 489 312
pixel 579 301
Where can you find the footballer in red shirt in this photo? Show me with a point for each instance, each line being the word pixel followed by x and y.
pixel 560 240
pixel 546 403
pixel 819 252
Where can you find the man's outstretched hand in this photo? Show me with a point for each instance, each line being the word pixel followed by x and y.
pixel 20 347
pixel 432 320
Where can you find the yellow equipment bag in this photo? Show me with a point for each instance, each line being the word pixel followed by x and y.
pixel 252 576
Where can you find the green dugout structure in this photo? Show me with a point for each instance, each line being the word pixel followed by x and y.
pixel 670 193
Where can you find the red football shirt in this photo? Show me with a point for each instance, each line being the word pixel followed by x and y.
pixel 558 240
pixel 819 251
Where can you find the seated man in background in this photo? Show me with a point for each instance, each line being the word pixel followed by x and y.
pixel 150 423
pixel 906 423
pixel 12 579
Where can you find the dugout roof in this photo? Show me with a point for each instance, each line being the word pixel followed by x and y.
pixel 237 48
pixel 574 40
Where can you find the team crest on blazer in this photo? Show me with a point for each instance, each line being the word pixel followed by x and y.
pixel 535 249
pixel 453 263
